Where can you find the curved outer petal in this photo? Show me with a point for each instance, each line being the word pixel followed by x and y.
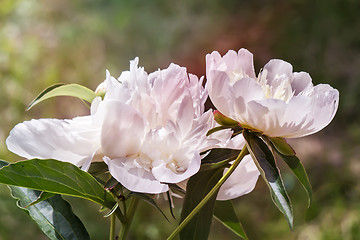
pixel 241 181
pixel 65 140
pixel 325 102
pixel 218 87
pixel 134 179
pixel 123 130
pixel 301 116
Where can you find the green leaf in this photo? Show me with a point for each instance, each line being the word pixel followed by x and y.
pixel 149 200
pixel 54 215
pixel 43 196
pixel 265 162
pixel 220 154
pixel 298 169
pixel 225 213
pixel 197 187
pixel 56 177
pixel 3 163
pixel 97 168
pixel 282 146
pixel 61 89
pixel 171 203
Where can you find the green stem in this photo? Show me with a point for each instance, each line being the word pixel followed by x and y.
pixel 112 226
pixel 241 155
pixel 130 215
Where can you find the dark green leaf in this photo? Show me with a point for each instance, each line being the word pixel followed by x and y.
pixel 282 146
pixel 265 162
pixel 220 154
pixel 61 89
pixel 54 215
pixel 298 169
pixel 3 163
pixel 171 204
pixel 56 177
pixel 43 196
pixel 225 213
pixel 149 200
pixel 197 187
pixel 97 168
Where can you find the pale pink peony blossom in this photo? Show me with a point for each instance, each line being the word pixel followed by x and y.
pixel 164 146
pixel 277 103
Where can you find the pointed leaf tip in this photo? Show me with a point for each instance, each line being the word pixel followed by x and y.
pixel 224 212
pixel 61 89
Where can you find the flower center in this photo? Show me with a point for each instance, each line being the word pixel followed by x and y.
pixel 236 75
pixel 279 88
pixel 162 148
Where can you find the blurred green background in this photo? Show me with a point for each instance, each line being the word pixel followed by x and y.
pixel 52 41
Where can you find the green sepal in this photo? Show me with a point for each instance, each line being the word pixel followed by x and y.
pixel 282 146
pixel 223 120
pixel 216 129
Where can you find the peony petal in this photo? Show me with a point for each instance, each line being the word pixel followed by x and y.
pixel 241 181
pixel 324 102
pixel 301 83
pixel 185 115
pixel 237 142
pixel 218 87
pixel 166 175
pixel 277 67
pixel 248 89
pixel 123 130
pixel 133 178
pixel 232 62
pixel 65 140
pixel 214 62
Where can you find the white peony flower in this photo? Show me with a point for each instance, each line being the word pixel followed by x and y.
pixel 277 103
pixel 155 128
